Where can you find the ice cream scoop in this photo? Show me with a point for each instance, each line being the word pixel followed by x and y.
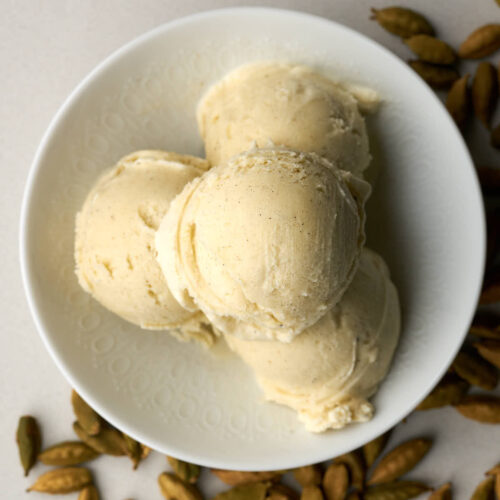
pixel 286 105
pixel 271 239
pixel 114 241
pixel 328 371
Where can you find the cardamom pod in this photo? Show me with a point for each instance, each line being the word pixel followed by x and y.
pixel 373 449
pixel 442 493
pixel 336 482
pixel 186 471
pixel 89 493
pixel 64 480
pixel 132 449
pixel 249 491
pixel 430 49
pixel 486 325
pixel 480 407
pixel 357 470
pixel 67 453
pixel 489 350
pixel 354 495
pixel 449 391
pixel 29 441
pixel 236 477
pixel 308 475
pixel 398 490
pixel 174 488
pixel 481 42
pixel 458 101
pixel 402 22
pixel 400 460
pixel 494 471
pixel 145 451
pixel 493 296
pixel 281 492
pixel 311 493
pixel 109 441
pixel 484 490
pixel 475 370
pixel 88 419
pixel 485 92
pixel 438 77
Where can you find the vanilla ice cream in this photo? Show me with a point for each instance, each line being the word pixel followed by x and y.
pixel 328 371
pixel 114 243
pixel 286 105
pixel 271 239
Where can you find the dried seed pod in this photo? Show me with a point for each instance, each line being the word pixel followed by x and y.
pixel 400 460
pixel 308 475
pixel 174 488
pixel 494 471
pixel 186 471
pixel 356 466
pixel 281 492
pixel 430 49
pixel 29 441
pixel 475 370
pixel 373 449
pixel 449 391
pixel 145 451
pixel 442 493
pixel 398 490
pixel 490 351
pixel 65 480
pixel 249 491
pixel 311 493
pixel 336 482
pixel 109 441
pixel 89 493
pixel 484 490
pixel 495 142
pixel 402 22
pixel 481 42
pixel 485 92
pixel 132 449
pixel 458 101
pixel 480 407
pixel 354 495
pixel 236 477
pixel 438 77
pixel 89 420
pixel 67 453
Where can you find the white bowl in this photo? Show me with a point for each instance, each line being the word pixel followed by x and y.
pixel 425 217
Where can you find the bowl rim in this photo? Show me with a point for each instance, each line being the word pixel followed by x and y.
pixel 27 270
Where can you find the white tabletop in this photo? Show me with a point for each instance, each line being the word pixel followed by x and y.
pixel 46 48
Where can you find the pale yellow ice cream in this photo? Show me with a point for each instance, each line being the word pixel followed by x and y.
pixel 114 243
pixel 271 239
pixel 327 372
pixel 286 105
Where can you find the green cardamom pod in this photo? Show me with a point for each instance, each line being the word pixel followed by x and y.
pixel 67 453
pixel 65 480
pixel 29 441
pixel 109 441
pixel 186 471
pixel 88 419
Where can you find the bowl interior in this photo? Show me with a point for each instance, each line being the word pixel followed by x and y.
pixel 425 217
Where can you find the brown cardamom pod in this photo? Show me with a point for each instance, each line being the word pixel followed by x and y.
pixel 449 391
pixel 402 22
pixel 88 419
pixel 485 92
pixel 458 101
pixel 67 453
pixel 398 490
pixel 438 77
pixel 480 407
pixel 29 441
pixel 186 471
pixel 430 49
pixel 65 480
pixel 481 42
pixel 400 460
pixel 475 370
pixel 109 441
pixel 336 482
